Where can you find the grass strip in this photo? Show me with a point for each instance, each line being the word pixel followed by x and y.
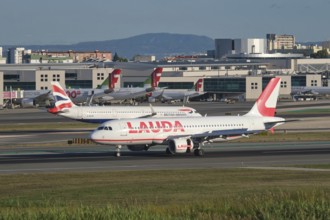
pixel 174 194
pixel 308 111
pixel 47 126
pixel 282 136
pixel 313 166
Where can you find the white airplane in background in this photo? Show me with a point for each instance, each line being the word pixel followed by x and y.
pixel 33 98
pixel 315 90
pixel 85 95
pixel 131 92
pixel 99 114
pixel 185 134
pixel 177 94
pixel 309 92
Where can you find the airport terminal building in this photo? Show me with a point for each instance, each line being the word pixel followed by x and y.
pixel 221 78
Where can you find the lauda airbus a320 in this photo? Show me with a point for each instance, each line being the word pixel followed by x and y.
pixel 182 135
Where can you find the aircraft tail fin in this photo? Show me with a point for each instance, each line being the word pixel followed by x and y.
pixel 199 84
pixel 62 100
pixel 113 78
pixel 153 80
pixel 267 101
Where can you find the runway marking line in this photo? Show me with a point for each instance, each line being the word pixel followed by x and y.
pixel 289 169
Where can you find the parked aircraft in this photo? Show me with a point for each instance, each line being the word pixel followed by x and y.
pixel 177 94
pixel 34 98
pixel 85 95
pixel 314 90
pixel 309 92
pixel 185 134
pixel 99 114
pixel 130 92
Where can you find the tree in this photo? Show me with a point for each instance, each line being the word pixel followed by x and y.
pixel 118 58
pixel 320 54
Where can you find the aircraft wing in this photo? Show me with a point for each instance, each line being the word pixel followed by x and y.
pixel 311 91
pixel 43 97
pixel 216 134
pixel 166 97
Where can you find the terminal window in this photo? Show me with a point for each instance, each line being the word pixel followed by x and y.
pixel 254 85
pixel 283 84
pixel 313 82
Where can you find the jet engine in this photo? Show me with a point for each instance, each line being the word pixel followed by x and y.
pixel 28 103
pixel 151 99
pixel 139 147
pixel 180 145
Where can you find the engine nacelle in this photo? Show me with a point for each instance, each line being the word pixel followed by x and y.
pixel 139 147
pixel 151 99
pixel 180 145
pixel 28 103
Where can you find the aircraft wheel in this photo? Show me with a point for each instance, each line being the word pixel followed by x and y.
pixel 169 152
pixel 199 152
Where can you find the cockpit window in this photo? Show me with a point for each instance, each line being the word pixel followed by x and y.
pixel 104 128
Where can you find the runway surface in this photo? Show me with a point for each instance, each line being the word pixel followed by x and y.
pixel 100 158
pixel 14 116
pixel 27 151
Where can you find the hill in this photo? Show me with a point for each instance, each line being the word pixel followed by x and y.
pixel 159 44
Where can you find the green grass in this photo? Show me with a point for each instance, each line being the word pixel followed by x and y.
pixel 47 126
pixel 308 111
pixel 279 136
pixel 175 194
pixel 314 166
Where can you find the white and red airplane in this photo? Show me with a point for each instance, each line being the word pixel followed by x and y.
pixel 99 114
pixel 184 134
pixel 131 92
pixel 177 94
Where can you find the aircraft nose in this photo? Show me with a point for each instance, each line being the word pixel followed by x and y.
pixel 95 136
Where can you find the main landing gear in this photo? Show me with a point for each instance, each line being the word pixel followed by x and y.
pixel 117 153
pixel 199 152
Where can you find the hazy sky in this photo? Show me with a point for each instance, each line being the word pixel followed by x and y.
pixel 73 21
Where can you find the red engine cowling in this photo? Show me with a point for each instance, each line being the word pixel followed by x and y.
pixel 180 145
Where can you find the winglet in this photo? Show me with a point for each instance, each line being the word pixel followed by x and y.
pixel 152 110
pixel 266 103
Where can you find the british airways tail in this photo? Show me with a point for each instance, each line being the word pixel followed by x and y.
pixel 265 106
pixel 62 101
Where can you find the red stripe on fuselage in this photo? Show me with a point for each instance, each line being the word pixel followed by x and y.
pixel 185 110
pixel 128 140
